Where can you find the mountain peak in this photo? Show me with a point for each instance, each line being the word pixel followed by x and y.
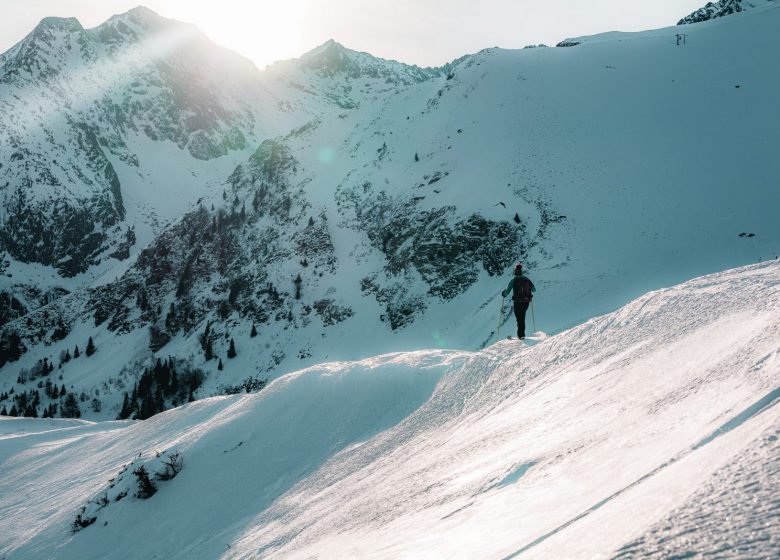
pixel 722 8
pixel 141 16
pixel 143 12
pixel 330 56
pixel 69 24
pixel 135 25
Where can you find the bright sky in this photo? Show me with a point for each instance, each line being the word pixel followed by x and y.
pixel 423 32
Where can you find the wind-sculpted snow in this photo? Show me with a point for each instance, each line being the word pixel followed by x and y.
pixel 735 513
pixel 631 434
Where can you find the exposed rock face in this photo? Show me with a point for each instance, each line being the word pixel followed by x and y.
pixel 722 8
pixel 439 246
pixel 232 259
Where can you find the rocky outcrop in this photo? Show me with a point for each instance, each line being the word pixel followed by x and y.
pixel 229 262
pixel 713 10
pixel 440 246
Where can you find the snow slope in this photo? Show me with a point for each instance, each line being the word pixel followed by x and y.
pixel 627 435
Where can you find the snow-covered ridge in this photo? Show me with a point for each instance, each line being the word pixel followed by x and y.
pixel 513 451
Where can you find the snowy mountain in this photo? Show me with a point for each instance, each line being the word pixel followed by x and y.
pixel 371 206
pixel 651 432
pixel 724 8
pixel 82 109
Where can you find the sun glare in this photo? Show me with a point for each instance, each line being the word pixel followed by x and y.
pixel 264 31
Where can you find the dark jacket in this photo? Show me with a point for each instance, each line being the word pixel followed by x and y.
pixel 520 287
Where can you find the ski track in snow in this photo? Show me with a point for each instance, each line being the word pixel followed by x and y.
pixel 736 513
pixel 633 435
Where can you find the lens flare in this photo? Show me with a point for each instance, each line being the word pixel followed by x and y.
pixel 326 155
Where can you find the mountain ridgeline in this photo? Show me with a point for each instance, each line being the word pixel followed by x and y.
pixel 164 198
pixel 722 8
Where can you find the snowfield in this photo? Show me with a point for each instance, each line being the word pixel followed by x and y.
pixel 649 432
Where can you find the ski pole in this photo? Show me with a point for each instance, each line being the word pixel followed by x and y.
pixel 500 317
pixel 533 315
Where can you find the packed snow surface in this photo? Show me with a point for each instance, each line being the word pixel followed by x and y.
pixel 649 431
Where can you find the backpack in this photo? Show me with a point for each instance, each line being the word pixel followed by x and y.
pixel 521 289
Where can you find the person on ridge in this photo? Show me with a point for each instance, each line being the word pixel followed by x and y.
pixel 522 290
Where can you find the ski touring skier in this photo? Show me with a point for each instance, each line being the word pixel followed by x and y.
pixel 522 290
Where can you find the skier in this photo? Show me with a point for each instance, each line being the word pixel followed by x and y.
pixel 522 290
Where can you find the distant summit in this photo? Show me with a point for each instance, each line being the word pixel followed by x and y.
pixel 332 58
pixel 723 8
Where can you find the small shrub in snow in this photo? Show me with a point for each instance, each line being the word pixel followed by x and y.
pixel 163 466
pixel 82 520
pixel 249 385
pixel 171 465
pixel 146 488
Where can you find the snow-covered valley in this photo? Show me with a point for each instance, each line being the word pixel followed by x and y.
pixel 649 432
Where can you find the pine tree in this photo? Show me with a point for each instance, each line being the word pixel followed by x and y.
pixel 159 401
pixel 134 398
pixel 124 413
pixel 4 412
pixel 146 488
pixel 148 408
pixel 416 157
pixel 62 391
pixel 220 367
pixel 253 333
pixel 231 353
pixel 13 411
pixel 174 386
pixel 76 352
pixel 70 408
pixel 90 347
pixel 206 343
pixel 298 282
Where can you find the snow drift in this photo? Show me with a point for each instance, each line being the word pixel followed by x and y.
pixel 624 435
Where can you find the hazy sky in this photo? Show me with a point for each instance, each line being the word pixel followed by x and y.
pixel 423 32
